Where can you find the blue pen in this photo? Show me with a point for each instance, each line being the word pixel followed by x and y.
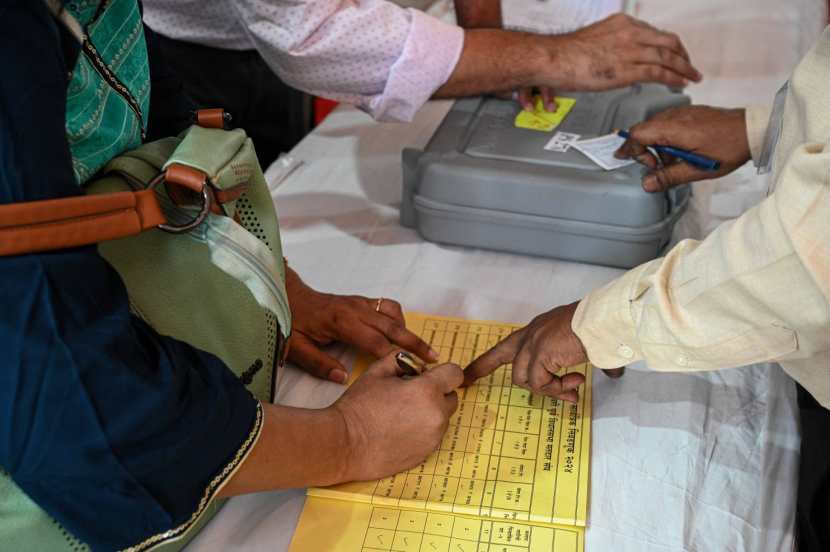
pixel 693 159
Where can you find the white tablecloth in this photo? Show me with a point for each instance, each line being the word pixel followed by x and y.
pixel 702 462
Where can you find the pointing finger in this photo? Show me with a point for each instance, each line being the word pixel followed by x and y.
pixel 502 353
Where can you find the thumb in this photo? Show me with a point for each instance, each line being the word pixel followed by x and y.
pixel 305 354
pixel 448 377
pixel 502 353
pixel 386 366
pixel 672 175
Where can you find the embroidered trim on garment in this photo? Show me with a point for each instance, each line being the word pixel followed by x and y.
pixel 114 82
pixel 213 487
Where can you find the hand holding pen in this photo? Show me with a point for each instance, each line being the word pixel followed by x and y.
pixel 696 160
pixel 687 144
pixel 409 365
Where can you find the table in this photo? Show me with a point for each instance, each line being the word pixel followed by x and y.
pixel 697 462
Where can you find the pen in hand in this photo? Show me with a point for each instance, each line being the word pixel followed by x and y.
pixel 409 365
pixel 694 159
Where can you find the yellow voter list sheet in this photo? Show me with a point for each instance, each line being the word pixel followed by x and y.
pixel 507 454
pixel 333 525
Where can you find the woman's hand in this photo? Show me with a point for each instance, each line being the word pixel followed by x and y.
pixel 392 424
pixel 323 318
pixel 538 351
pixel 382 425
pixel 715 133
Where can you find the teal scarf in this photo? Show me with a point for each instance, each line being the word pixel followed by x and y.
pixel 109 88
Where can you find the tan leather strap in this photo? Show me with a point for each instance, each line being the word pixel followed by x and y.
pixel 191 180
pixel 185 176
pixel 211 118
pixel 230 194
pixel 51 224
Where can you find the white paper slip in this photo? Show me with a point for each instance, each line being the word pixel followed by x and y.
pixel 601 151
pixel 562 141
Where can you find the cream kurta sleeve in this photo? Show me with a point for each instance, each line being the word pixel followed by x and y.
pixel 757 289
pixel 757 119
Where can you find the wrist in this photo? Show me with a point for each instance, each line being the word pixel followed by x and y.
pixel 542 60
pixel 292 280
pixel 550 66
pixel 296 288
pixel 577 342
pixel 348 443
pixel 738 116
pixel 730 130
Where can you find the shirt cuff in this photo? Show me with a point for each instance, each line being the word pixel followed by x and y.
pixel 429 57
pixel 606 321
pixel 757 119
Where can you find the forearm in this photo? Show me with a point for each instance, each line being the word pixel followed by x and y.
pixel 296 448
pixel 754 290
pixel 493 61
pixel 690 311
pixel 401 57
pixel 478 14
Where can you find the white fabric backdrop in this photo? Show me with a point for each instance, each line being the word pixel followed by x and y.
pixel 701 462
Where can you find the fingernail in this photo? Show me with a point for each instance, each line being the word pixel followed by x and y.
pixel 552 106
pixel 528 107
pixel 338 376
pixel 650 183
pixel 433 354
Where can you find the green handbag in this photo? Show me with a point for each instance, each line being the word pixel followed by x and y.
pixel 214 278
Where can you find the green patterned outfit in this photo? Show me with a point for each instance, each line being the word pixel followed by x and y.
pixel 124 410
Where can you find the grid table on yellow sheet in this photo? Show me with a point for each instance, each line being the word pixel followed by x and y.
pixel 507 454
pixel 358 527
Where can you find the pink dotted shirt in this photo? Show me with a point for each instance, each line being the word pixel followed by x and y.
pixel 385 59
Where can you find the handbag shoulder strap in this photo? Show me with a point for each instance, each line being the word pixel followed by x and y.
pixel 51 224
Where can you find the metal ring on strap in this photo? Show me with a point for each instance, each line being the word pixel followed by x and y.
pixel 203 212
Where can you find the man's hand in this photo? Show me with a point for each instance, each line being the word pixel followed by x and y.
pixel 715 133
pixel 486 14
pixel 525 98
pixel 617 51
pixel 611 53
pixel 538 352
pixel 392 423
pixel 323 318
